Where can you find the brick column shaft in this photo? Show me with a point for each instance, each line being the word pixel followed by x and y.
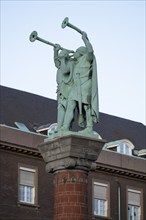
pixel 70 158
pixel 70 194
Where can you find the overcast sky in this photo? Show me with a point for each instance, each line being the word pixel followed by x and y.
pixel 116 30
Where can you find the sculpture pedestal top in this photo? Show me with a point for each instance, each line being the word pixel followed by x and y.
pixel 71 152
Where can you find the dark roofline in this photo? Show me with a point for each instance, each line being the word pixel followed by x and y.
pixel 53 100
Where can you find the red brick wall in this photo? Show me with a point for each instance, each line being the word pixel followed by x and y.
pixel 70 189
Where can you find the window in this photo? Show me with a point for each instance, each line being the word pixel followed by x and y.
pixel 21 126
pixel 100 199
pixel 134 204
pixel 140 153
pixel 123 148
pixel 27 185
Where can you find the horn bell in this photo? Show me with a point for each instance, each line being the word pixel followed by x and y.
pixel 65 22
pixel 33 36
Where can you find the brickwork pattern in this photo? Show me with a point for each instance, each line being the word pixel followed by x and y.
pixel 70 190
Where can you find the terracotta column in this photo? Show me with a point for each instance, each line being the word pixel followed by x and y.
pixel 70 158
pixel 70 191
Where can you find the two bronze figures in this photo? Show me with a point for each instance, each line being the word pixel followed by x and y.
pixel 76 84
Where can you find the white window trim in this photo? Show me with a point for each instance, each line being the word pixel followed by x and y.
pixel 100 184
pixel 34 170
pixel 27 169
pixel 33 196
pixel 134 191
pixel 100 214
pixel 107 200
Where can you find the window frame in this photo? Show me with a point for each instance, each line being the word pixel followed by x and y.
pixel 136 190
pixel 28 168
pixel 106 184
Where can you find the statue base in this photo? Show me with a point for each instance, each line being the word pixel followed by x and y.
pixel 71 151
pixel 82 133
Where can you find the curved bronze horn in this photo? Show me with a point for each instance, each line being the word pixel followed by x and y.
pixel 34 36
pixel 66 23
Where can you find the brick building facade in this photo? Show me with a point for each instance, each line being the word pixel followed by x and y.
pixel 115 190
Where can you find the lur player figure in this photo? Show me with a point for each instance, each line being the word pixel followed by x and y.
pixel 83 93
pixel 64 65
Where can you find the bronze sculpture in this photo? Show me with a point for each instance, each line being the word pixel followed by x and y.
pixel 77 83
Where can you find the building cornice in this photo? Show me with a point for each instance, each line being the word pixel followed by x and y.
pixel 20 149
pixel 121 172
pixel 102 167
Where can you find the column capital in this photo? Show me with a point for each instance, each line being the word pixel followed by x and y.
pixel 71 152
